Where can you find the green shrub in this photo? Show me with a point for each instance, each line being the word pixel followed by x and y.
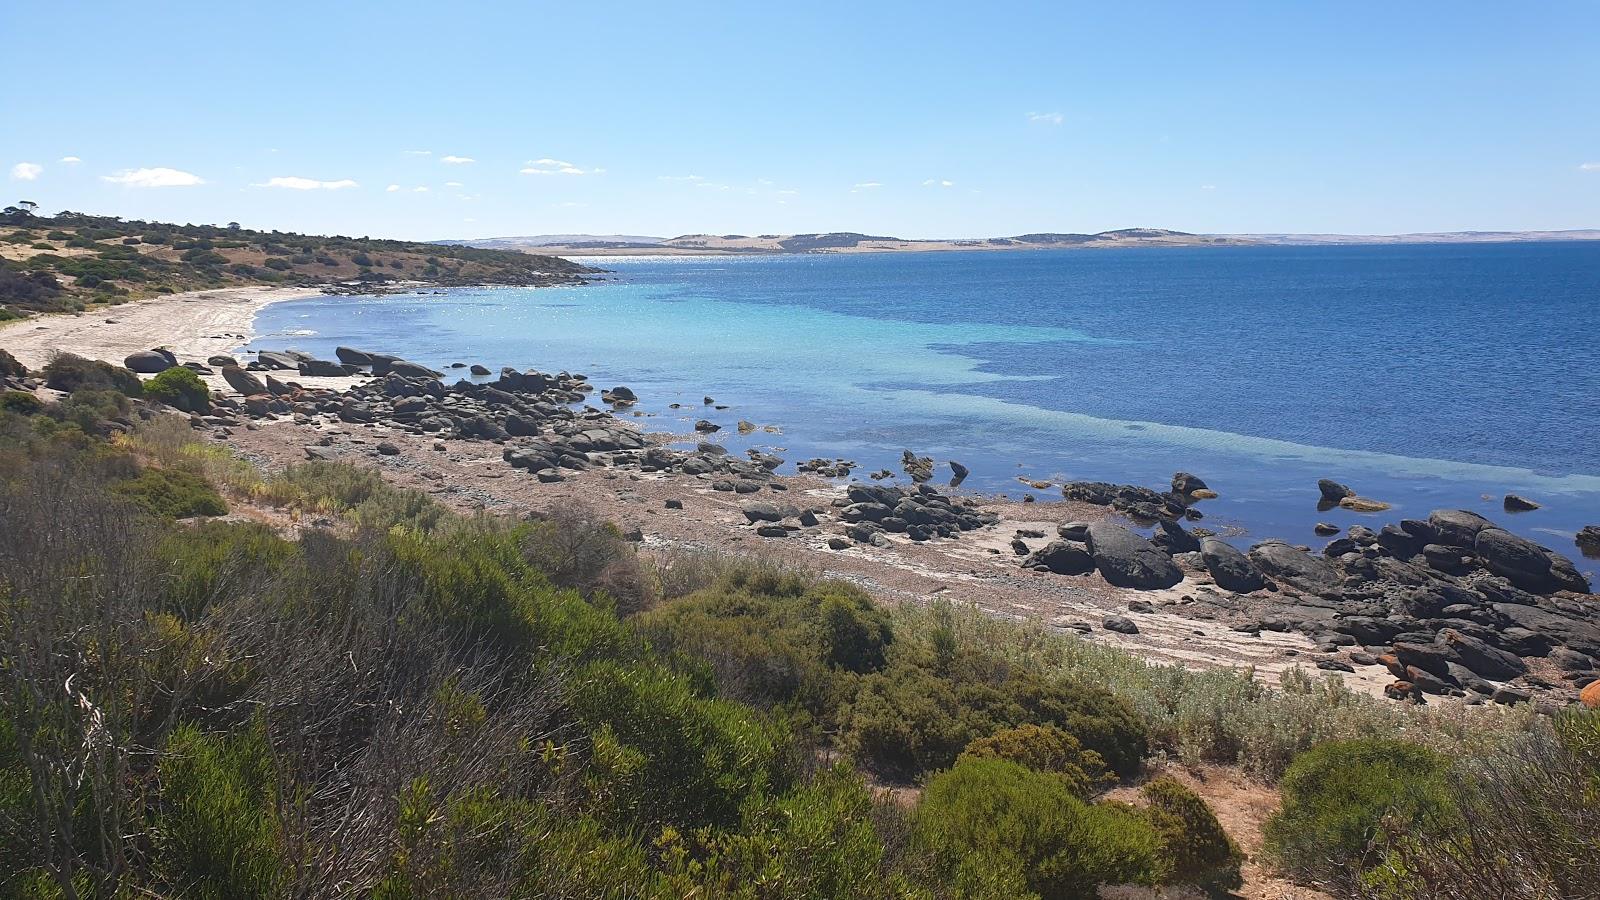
pixel 67 372
pixel 1046 748
pixel 20 402
pixel 855 633
pixel 172 494
pixel 278 263
pixel 1194 847
pixel 216 828
pixel 991 813
pixel 664 756
pixel 1336 795
pixel 180 388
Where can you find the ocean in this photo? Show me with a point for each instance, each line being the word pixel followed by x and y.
pixel 1425 376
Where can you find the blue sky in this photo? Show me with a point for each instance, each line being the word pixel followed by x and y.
pixel 433 120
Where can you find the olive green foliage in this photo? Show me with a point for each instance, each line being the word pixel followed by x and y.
pixel 991 814
pixel 172 494
pixel 1520 825
pixel 359 494
pixel 1046 748
pixel 1337 796
pixel 180 388
pixel 1195 848
pixel 67 372
pixel 217 825
pixel 20 402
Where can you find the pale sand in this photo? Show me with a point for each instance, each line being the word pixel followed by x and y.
pixel 194 326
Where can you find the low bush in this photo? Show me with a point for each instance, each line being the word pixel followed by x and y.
pixel 172 494
pixel 179 388
pixel 67 372
pixel 1337 795
pixel 20 402
pixel 217 824
pixel 1046 748
pixel 1195 848
pixel 1030 829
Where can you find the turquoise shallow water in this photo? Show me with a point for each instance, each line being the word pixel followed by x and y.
pixel 1424 376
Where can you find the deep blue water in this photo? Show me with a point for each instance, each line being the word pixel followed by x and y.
pixel 1424 375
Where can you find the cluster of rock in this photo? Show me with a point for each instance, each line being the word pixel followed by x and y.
pixel 1457 601
pixel 14 375
pixel 1144 504
pixel 1123 558
pixel 921 513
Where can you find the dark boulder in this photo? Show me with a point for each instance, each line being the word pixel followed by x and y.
pixel 1229 568
pixel 479 371
pixel 275 360
pixel 1184 483
pixel 149 362
pixel 1171 537
pixel 1062 558
pixel 352 356
pixel 1332 491
pixel 1490 662
pixel 322 368
pixel 1120 624
pixel 1514 503
pixel 1127 560
pixel 1455 527
pixel 1295 567
pixel 1526 564
pixel 1588 539
pixel 958 473
pixel 221 359
pixel 412 370
pixel 242 381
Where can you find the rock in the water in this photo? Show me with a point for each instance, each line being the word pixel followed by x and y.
pixel 479 370
pixel 1184 483
pixel 322 368
pixel 275 360
pixel 1230 568
pixel 1294 567
pixel 958 473
pixel 1127 560
pixel 1362 504
pixel 242 381
pixel 1588 539
pixel 706 427
pixel 1062 558
pixel 1526 564
pixel 1454 527
pixel 1120 624
pixel 412 370
pixel 1514 503
pixel 919 468
pixel 1333 491
pixel 148 362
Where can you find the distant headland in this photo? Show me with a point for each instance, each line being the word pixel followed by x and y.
pixel 856 242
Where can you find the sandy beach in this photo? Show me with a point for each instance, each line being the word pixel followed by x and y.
pixel 192 325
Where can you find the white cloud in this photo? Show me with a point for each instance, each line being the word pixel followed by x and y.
pixel 572 205
pixel 154 178
pixel 680 178
pixel 452 184
pixel 938 182
pixel 866 186
pixel 1208 187
pixel 1589 167
pixel 418 152
pixel 711 186
pixel 419 190
pixel 392 188
pixel 296 183
pixel 26 171
pixel 790 193
pixel 548 166
pixel 1046 118
pixel 70 160
pixel 456 160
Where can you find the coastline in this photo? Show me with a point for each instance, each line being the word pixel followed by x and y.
pixel 193 325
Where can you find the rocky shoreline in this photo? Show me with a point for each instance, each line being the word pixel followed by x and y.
pixel 1449 605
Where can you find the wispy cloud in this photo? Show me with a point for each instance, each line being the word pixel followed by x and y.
pixel 296 183
pixel 456 160
pixel 711 186
pixel 26 171
pixel 866 186
pixel 680 178
pixel 938 182
pixel 452 184
pixel 420 189
pixel 70 160
pixel 418 152
pixel 548 166
pixel 1208 187
pixel 157 177
pixel 1589 167
pixel 788 193
pixel 392 188
pixel 1046 118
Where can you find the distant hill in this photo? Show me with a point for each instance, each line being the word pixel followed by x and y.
pixel 837 242
pixel 856 242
